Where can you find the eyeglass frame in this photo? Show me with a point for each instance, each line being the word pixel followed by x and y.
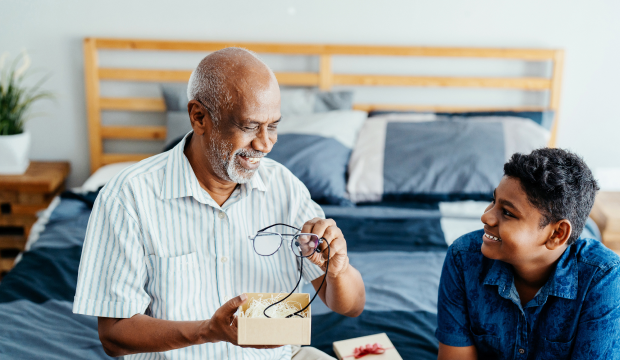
pixel 253 238
pixel 301 268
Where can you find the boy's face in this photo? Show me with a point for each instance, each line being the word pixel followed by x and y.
pixel 512 226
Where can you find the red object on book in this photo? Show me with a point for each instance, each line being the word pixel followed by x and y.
pixel 362 351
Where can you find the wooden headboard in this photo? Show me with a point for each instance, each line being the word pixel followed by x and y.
pixel 324 79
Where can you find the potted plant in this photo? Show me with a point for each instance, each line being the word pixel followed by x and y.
pixel 15 101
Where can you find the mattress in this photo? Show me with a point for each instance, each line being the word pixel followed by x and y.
pixel 398 248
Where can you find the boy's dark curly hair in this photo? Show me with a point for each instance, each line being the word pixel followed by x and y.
pixel 558 183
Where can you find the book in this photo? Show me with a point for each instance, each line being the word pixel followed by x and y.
pixel 345 349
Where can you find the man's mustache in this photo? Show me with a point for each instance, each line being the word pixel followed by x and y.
pixel 252 154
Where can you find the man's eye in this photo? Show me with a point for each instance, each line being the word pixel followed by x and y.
pixel 250 128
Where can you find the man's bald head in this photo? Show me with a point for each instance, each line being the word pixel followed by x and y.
pixel 220 79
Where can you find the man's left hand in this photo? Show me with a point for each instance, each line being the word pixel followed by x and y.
pixel 338 258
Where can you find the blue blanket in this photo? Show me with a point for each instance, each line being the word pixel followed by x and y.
pixel 398 248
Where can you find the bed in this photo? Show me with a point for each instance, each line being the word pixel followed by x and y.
pixel 397 242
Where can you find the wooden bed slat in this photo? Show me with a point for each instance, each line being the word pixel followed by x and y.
pixel 115 158
pixel 158 105
pixel 144 75
pixel 536 84
pixel 325 79
pixel 318 49
pixel 154 75
pixel 441 108
pixel 297 79
pixel 133 104
pixel 134 132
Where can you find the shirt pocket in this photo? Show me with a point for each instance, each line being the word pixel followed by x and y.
pixel 487 345
pixel 555 349
pixel 175 286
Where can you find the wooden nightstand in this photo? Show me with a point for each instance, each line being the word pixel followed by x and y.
pixel 606 214
pixel 21 197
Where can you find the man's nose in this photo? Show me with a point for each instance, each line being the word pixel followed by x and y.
pixel 263 142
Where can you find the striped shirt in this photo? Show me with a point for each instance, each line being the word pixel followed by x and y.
pixel 158 244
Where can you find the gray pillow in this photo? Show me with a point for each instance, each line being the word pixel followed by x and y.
pixel 297 101
pixel 438 160
pixel 333 100
pixel 177 125
pixel 304 101
pixel 177 118
pixel 175 97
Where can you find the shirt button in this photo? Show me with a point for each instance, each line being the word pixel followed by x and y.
pixel 221 215
pixel 521 351
pixel 224 259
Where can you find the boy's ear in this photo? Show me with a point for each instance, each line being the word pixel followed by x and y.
pixel 560 234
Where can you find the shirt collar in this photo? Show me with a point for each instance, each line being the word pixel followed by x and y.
pixel 563 283
pixel 500 274
pixel 180 180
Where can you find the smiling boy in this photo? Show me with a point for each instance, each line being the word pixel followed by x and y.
pixel 527 286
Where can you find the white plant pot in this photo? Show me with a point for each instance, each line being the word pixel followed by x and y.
pixel 14 151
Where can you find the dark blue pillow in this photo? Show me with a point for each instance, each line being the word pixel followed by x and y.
pixel 319 162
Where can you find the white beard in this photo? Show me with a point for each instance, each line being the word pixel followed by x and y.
pixel 226 164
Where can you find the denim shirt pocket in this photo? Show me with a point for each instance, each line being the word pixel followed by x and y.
pixel 487 345
pixel 555 349
pixel 175 286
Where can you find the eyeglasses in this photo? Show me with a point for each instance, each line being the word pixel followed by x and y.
pixel 267 243
pixel 303 245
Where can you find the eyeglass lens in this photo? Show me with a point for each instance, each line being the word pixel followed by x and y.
pixel 304 245
pixel 266 244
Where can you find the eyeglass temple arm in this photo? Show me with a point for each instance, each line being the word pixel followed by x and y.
pixel 270 226
pixel 329 248
pixel 301 272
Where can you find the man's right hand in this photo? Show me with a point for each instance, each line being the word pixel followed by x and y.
pixel 142 333
pixel 223 324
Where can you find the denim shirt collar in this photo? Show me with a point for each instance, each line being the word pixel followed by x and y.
pixel 563 283
pixel 181 181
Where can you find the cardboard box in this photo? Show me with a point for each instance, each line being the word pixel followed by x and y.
pixel 346 347
pixel 265 331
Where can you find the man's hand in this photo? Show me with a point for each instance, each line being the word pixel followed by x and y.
pixel 338 258
pixel 344 290
pixel 223 324
pixel 142 333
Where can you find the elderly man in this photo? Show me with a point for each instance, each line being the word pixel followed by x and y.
pixel 167 247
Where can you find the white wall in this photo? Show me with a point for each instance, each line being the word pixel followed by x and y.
pixel 52 31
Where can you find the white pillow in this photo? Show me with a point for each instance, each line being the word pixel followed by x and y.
pixel 342 125
pixel 103 175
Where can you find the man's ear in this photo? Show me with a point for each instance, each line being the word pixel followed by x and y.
pixel 560 234
pixel 199 117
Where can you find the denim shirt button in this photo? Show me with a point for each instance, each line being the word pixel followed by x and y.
pixel 521 351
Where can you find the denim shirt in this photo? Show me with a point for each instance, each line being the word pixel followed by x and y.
pixel 575 315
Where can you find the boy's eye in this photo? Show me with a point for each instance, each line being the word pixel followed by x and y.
pixel 507 213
